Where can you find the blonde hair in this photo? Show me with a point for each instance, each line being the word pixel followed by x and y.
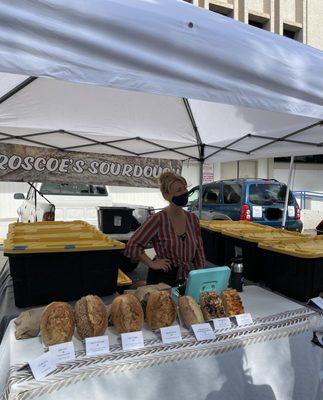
pixel 166 179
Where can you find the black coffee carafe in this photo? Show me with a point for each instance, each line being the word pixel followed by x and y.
pixel 237 274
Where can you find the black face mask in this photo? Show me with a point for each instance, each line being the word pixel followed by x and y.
pixel 181 200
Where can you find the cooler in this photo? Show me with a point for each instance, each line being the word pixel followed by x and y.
pixel 115 219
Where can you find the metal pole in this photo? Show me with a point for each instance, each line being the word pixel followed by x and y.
pixel 35 192
pixel 201 161
pixel 287 192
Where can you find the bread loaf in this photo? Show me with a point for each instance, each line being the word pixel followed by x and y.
pixel 91 316
pixel 127 314
pixel 190 311
pixel 57 323
pixel 232 302
pixel 211 305
pixel 160 310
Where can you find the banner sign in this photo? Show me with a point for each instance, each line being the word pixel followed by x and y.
pixel 36 164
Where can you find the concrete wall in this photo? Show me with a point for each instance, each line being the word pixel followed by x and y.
pixel 315 23
pixel 305 177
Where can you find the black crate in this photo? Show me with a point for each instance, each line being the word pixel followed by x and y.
pixel 115 219
pixel 213 243
pixel 251 257
pixel 298 278
pixel 45 277
pixel 319 228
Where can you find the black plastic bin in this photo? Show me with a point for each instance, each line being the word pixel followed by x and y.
pixel 245 245
pixel 57 261
pixel 43 278
pixel 319 228
pixel 213 244
pixel 299 274
pixel 249 253
pixel 115 219
pixel 213 239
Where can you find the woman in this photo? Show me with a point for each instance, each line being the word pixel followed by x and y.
pixel 174 233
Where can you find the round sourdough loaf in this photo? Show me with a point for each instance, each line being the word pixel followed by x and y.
pixel 91 316
pixel 160 310
pixel 127 314
pixel 57 323
pixel 190 311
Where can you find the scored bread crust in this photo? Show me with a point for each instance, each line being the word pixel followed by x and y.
pixel 160 310
pixel 57 323
pixel 91 316
pixel 127 314
pixel 190 311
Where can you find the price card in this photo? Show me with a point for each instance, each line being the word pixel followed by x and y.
pixel 62 352
pixel 257 212
pixel 42 366
pixel 244 319
pixel 318 301
pixel 203 331
pixel 132 340
pixel 97 345
pixel 221 323
pixel 171 334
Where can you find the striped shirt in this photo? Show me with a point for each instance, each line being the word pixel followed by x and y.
pixel 185 252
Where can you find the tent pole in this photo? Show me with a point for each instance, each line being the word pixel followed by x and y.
pixel 201 163
pixel 287 192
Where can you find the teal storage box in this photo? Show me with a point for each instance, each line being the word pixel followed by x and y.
pixel 205 280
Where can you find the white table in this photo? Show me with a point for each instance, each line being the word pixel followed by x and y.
pixel 273 359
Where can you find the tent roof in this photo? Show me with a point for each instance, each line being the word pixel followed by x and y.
pixel 251 93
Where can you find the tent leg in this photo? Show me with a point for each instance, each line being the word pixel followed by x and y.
pixel 291 165
pixel 201 163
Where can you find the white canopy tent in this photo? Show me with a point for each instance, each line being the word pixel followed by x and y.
pixel 157 78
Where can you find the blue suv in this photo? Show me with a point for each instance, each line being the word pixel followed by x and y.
pixel 257 200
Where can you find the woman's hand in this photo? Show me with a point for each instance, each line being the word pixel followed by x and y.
pixel 162 264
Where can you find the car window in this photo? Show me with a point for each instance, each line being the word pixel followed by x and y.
pixel 267 194
pixel 193 196
pixel 101 190
pixel 231 193
pixel 212 194
pixel 73 189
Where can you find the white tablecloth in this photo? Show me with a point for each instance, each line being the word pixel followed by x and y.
pixel 271 359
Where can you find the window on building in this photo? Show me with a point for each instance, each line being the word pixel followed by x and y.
pixel 259 22
pixel 226 11
pixel 315 159
pixel 293 32
pixel 189 1
pixel 289 34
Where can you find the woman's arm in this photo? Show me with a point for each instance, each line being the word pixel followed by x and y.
pixel 154 264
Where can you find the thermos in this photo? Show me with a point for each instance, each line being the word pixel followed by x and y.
pixel 237 274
